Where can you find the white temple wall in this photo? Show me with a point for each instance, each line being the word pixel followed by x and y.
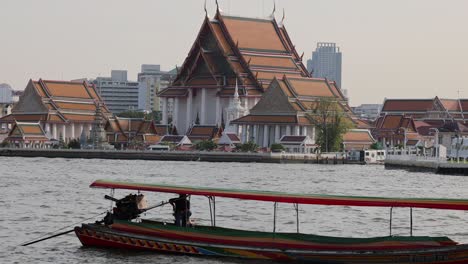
pixel 181 121
pixel 210 113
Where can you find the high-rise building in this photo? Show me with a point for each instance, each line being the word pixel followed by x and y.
pixel 6 93
pixel 326 62
pixel 150 81
pixel 119 94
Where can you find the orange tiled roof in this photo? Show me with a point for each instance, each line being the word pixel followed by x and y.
pixel 310 87
pixel 76 106
pixel 450 104
pixel 67 89
pixel 358 135
pixel 402 105
pixel 246 32
pixel 391 121
pixel 284 62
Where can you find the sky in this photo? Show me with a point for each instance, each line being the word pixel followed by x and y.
pixel 391 48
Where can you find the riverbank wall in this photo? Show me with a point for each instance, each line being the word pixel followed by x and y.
pixel 176 155
pixel 426 164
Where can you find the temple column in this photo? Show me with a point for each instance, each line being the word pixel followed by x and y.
pixel 265 136
pixel 277 133
pixel 218 110
pixel 64 132
pixel 90 126
pixel 81 129
pixel 255 134
pixel 288 130
pixel 54 131
pixel 297 131
pixel 243 134
pixel 175 114
pixel 47 128
pixel 189 110
pixel 203 107
pixel 72 125
pixel 164 110
pixel 304 131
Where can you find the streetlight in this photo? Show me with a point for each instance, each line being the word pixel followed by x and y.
pixel 436 140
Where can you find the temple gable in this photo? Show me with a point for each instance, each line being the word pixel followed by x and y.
pixel 274 101
pixel 30 102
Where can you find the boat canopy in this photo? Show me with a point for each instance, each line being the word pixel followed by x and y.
pixel 282 197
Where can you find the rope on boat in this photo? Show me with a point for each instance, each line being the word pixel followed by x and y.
pixel 49 234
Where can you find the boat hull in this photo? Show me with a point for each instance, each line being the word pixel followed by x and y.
pixel 105 237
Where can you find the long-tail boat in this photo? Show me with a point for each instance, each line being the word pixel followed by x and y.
pixel 122 231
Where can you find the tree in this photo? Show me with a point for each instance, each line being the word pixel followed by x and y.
pixel 74 144
pixel 207 145
pixel 276 147
pixel 249 146
pixel 156 116
pixel 331 123
pixel 376 145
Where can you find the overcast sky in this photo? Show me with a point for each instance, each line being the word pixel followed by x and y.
pixel 391 48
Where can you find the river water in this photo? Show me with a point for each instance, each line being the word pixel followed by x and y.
pixel 39 195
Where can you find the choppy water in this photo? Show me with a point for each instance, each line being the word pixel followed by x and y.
pixel 39 195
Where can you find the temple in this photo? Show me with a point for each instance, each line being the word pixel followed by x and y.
pixel 285 110
pixel 229 52
pixel 63 109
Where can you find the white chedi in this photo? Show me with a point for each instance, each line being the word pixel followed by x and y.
pixel 234 111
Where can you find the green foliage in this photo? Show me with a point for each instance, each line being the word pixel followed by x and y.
pixel 206 145
pixel 331 123
pixel 249 146
pixel 156 116
pixel 276 147
pixel 136 144
pixel 376 145
pixel 4 144
pixel 74 144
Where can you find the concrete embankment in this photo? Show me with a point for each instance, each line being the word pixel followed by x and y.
pixel 175 155
pixel 415 163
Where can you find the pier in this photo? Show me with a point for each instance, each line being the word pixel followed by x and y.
pixel 428 164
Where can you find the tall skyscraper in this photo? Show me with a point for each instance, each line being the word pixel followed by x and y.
pixel 326 62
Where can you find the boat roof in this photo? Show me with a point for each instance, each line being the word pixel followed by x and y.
pixel 282 197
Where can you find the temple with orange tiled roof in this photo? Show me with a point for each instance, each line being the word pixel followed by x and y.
pixel 284 108
pixel 122 132
pixel 229 49
pixel 431 108
pixel 395 129
pixel 62 108
pixel 27 135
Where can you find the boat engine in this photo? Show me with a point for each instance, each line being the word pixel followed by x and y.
pixel 127 208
